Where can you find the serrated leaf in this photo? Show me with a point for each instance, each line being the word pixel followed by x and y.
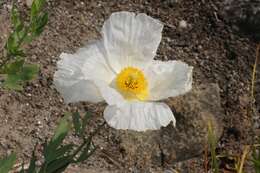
pixel 13 82
pixel 7 163
pixel 76 122
pixel 29 72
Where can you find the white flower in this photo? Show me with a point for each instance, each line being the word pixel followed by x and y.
pixel 120 70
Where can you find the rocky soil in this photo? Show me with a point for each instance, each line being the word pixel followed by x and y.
pixel 203 33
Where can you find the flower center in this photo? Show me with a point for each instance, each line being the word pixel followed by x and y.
pixel 132 84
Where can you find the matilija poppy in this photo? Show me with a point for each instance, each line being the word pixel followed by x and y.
pixel 120 69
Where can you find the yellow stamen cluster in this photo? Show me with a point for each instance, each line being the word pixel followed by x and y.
pixel 132 84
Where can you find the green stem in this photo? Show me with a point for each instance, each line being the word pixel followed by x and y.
pixel 24 35
pixel 20 41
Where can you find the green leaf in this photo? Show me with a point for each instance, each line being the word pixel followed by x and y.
pixel 256 159
pixel 29 72
pixel 76 122
pixel 256 162
pixel 50 149
pixel 63 127
pixel 7 163
pixel 86 151
pixel 40 24
pixel 59 135
pixel 37 5
pixel 62 151
pixel 18 73
pixel 14 67
pixel 19 53
pixel 213 144
pixel 59 165
pixel 13 82
pixel 28 38
pixel 86 154
pixel 12 44
pixel 33 11
pixel 22 34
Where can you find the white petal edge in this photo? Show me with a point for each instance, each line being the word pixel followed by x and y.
pixel 130 39
pixel 76 73
pixel 139 116
pixel 168 79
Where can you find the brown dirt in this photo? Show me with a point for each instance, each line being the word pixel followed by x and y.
pixel 217 54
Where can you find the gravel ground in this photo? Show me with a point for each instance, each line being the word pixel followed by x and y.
pixel 195 32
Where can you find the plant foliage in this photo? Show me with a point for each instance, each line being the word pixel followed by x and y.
pixel 13 65
pixel 57 155
pixel 256 157
pixel 213 145
pixel 7 163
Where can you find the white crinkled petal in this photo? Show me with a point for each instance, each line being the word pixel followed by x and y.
pixel 130 39
pixel 82 90
pixel 111 95
pixel 96 66
pixel 168 79
pixel 76 73
pixel 139 116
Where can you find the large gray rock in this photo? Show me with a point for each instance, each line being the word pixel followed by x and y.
pixel 193 112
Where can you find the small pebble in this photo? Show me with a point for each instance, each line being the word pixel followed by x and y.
pixel 39 122
pixel 183 24
pixel 29 3
pixel 9 7
pixel 9 152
